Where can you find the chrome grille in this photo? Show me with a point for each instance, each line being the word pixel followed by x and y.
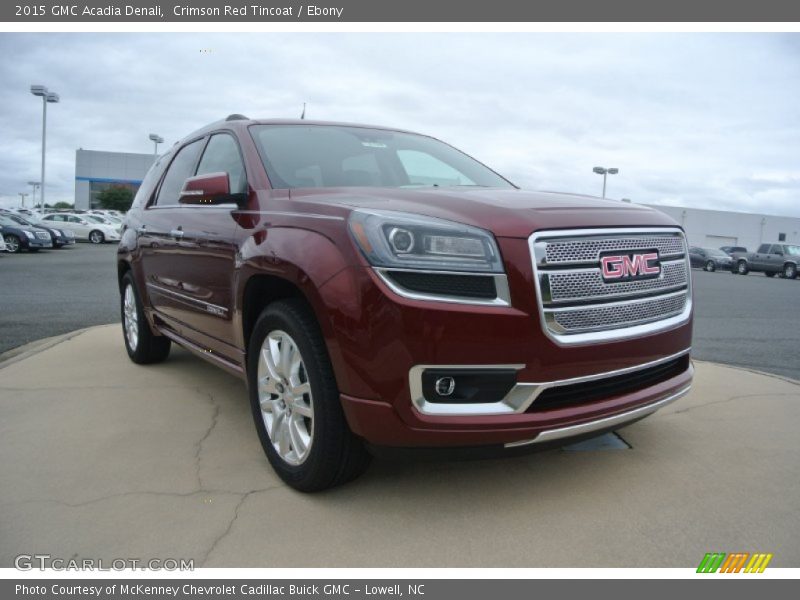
pixel 578 306
pixel 629 313
pixel 588 250
pixel 577 285
pixel 42 235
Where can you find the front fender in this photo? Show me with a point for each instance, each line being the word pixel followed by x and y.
pixel 305 258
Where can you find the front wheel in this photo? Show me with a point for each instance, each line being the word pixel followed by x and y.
pixel 295 401
pixel 741 268
pixel 97 237
pixel 711 266
pixel 12 244
pixel 143 346
pixel 790 271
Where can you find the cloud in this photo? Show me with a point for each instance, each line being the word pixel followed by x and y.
pixel 705 120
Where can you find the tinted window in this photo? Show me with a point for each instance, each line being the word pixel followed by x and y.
pixel 179 171
pixel 763 249
pixel 297 156
pixel 222 155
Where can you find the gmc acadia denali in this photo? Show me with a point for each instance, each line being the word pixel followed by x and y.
pixel 379 288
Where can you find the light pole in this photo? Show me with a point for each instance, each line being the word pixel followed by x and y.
pixel 47 97
pixel 23 195
pixel 34 185
pixel 156 139
pixel 605 172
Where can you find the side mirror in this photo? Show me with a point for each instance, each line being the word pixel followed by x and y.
pixel 210 188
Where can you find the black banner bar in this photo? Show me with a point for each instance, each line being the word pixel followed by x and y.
pixel 244 11
pixel 730 588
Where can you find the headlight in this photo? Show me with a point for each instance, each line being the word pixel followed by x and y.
pixel 408 241
pixel 29 234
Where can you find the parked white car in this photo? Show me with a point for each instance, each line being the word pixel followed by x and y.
pixel 83 226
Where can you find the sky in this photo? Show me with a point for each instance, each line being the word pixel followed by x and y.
pixel 699 120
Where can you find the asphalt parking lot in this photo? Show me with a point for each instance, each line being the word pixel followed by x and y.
pixel 53 292
pixel 748 321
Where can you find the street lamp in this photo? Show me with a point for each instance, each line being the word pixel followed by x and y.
pixel 605 172
pixel 34 185
pixel 51 98
pixel 156 139
pixel 23 195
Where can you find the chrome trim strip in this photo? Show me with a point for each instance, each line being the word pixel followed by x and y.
pixel 290 214
pixel 213 309
pixel 500 283
pixel 518 399
pixel 618 333
pixel 612 421
pixel 224 206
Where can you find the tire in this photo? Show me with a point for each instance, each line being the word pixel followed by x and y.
pixel 309 445
pixel 142 345
pixel 742 268
pixel 711 266
pixel 96 237
pixel 13 244
pixel 790 271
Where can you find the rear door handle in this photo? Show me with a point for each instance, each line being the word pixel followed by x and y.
pixel 177 233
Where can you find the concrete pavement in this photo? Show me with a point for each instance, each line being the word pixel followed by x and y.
pixel 105 459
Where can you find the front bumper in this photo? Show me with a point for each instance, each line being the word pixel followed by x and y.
pixel 376 338
pixel 379 424
pixel 38 243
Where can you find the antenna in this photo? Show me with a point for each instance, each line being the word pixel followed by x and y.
pixel 303 115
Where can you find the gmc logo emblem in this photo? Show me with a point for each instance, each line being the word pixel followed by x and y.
pixel 636 265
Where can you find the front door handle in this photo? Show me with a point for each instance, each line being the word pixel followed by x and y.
pixel 177 233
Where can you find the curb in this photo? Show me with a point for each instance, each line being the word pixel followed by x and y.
pixel 750 370
pixel 25 351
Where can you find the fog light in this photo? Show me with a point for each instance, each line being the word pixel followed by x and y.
pixel 475 385
pixel 445 386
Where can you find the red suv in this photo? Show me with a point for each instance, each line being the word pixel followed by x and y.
pixel 379 288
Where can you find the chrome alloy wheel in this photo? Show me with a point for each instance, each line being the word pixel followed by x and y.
pixel 131 317
pixel 284 394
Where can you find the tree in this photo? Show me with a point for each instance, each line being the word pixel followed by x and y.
pixel 61 205
pixel 116 197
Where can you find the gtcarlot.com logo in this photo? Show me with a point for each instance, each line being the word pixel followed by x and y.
pixel 736 562
pixel 42 562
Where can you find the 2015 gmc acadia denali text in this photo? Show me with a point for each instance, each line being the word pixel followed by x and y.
pixel 380 289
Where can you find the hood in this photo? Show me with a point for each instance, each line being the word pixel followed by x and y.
pixel 504 212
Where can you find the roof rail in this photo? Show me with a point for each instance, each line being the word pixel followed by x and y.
pixel 236 117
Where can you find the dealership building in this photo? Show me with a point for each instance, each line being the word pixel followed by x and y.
pixel 715 228
pixel 97 170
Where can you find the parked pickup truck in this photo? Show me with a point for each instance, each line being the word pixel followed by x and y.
pixel 379 288
pixel 769 259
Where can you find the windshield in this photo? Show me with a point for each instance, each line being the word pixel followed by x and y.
pixel 8 221
pixel 20 220
pixel 313 156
